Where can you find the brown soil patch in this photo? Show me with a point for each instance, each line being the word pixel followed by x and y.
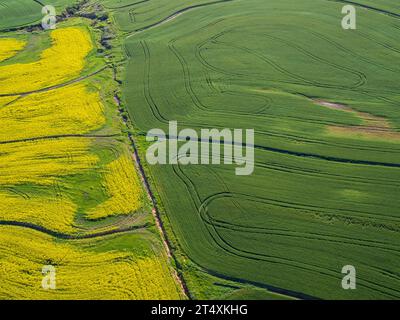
pixel 372 127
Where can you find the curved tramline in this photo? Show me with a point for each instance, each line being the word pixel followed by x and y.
pixel 316 190
pixel 95 183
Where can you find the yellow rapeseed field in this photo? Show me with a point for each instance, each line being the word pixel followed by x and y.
pixel 122 185
pixel 38 162
pixel 80 273
pixel 68 110
pixel 7 100
pixel 64 60
pixel 54 213
pixel 43 162
pixel 9 47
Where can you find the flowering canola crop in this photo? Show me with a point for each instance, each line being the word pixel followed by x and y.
pixel 123 187
pixel 68 110
pixel 61 62
pixel 4 101
pixel 48 175
pixel 9 47
pixel 44 162
pixel 54 213
pixel 80 272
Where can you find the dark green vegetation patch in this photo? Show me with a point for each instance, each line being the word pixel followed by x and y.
pixel 321 197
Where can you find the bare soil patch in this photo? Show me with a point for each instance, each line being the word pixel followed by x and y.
pixel 372 127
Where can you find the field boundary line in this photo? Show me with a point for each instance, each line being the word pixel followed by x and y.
pixel 68 236
pixel 174 15
pixel 155 212
pixel 57 86
pixel 62 136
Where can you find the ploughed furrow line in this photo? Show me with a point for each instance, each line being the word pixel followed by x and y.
pixel 67 236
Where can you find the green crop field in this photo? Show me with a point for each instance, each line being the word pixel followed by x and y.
pixel 325 190
pixel 18 13
pixel 132 16
pixel 77 189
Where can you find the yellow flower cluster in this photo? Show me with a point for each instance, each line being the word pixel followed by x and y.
pixel 43 162
pixel 6 100
pixel 36 185
pixel 61 62
pixel 123 187
pixel 55 213
pixel 9 47
pixel 80 272
pixel 68 110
